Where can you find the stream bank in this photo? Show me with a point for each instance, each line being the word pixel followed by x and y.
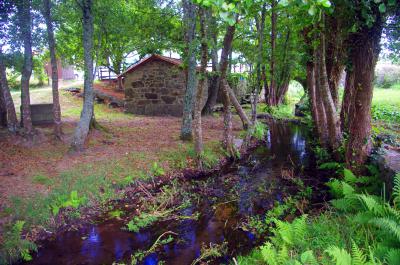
pixel 200 218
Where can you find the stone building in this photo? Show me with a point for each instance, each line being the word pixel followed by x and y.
pixel 154 86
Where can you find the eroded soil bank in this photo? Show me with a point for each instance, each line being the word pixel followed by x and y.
pixel 196 217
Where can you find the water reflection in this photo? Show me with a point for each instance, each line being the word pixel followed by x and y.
pixel 256 188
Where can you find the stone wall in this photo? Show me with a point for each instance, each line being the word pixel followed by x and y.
pixel 155 88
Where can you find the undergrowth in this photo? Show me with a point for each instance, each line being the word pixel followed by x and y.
pixel 358 227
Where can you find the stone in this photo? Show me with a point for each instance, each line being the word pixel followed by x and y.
pixel 151 95
pixel 168 99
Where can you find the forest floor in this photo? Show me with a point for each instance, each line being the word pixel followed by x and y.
pixel 128 146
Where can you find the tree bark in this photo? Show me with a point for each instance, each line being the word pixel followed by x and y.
pixel 245 120
pixel 189 10
pixel 54 71
pixel 270 97
pixel 260 24
pixel 227 46
pixel 82 129
pixel 312 94
pixel 12 121
pixel 330 109
pixel 322 122
pixel 198 136
pixel 24 19
pixel 365 48
pixel 345 111
pixel 213 87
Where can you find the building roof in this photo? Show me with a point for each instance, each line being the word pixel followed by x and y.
pixel 153 57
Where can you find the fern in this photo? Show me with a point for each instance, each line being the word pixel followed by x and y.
pixel 388 225
pixel 269 254
pixel 308 258
pixel 372 203
pixel 393 257
pixel 396 189
pixel 358 257
pixel 339 255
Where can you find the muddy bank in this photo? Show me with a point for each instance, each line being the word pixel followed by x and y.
pixel 198 214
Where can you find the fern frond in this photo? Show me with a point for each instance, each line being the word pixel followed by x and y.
pixel 358 257
pixel 372 203
pixel 392 212
pixel 396 189
pixel 347 204
pixel 393 257
pixel 308 258
pixel 283 255
pixel 388 225
pixel 349 176
pixel 269 254
pixel 339 255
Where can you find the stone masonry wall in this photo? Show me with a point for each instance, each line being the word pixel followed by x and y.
pixel 155 88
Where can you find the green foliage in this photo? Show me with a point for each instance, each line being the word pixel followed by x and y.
pixel 73 200
pixel 259 130
pixel 156 170
pixel 41 179
pixel 142 221
pixel 14 246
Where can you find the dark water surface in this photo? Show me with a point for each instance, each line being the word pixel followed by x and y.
pixel 249 187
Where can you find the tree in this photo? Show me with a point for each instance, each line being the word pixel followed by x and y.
pixel 213 87
pixel 82 129
pixel 12 122
pixel 198 137
pixel 54 71
pixel 189 17
pixel 25 27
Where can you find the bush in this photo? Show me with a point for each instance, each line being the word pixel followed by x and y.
pixel 387 75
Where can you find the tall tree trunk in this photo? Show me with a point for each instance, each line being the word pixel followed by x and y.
pixel 198 137
pixel 227 46
pixel 365 51
pixel 189 10
pixel 334 56
pixel 213 87
pixel 24 19
pixel 330 109
pixel 322 122
pixel 260 24
pixel 12 122
pixel 345 111
pixel 312 95
pixel 272 89
pixel 82 129
pixel 54 71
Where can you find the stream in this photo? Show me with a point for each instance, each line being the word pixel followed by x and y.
pixel 248 187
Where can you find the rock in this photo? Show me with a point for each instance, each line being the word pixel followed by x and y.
pixel 73 89
pixel 387 160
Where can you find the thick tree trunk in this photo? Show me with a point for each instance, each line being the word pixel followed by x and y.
pixel 213 87
pixel 345 111
pixel 24 19
pixel 365 51
pixel 322 121
pixel 12 122
pixel 54 71
pixel 330 109
pixel 189 10
pixel 82 129
pixel 198 136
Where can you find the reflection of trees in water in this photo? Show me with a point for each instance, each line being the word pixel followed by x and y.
pixel 287 142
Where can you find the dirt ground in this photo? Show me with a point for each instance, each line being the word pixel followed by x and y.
pixel 125 135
